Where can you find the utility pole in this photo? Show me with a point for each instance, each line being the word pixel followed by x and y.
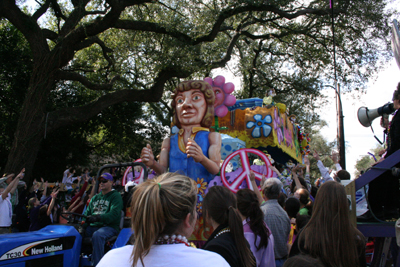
pixel 342 148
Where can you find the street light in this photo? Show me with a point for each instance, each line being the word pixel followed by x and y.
pixel 340 130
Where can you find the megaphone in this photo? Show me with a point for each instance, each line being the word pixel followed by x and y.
pixel 366 116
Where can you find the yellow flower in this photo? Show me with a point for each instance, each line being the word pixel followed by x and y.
pixel 201 185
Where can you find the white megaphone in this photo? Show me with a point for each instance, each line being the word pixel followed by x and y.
pixel 366 116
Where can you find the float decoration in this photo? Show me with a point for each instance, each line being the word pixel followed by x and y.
pixel 264 128
pixel 223 98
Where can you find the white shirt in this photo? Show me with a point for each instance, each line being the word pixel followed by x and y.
pixel 164 255
pixel 5 211
pixel 325 172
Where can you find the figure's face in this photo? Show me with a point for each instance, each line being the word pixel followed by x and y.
pixel 190 107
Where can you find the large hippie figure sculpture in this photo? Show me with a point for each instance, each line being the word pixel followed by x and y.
pixel 194 151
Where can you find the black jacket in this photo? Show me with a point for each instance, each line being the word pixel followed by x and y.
pixel 225 246
pixel 394 134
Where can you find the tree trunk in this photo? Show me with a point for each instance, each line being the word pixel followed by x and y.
pixel 31 124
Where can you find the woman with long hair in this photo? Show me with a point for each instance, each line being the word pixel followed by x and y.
pixel 163 216
pixel 255 230
pixel 220 209
pixel 329 235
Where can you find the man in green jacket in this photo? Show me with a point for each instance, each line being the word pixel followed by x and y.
pixel 103 215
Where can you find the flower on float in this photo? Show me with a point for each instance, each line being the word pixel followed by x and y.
pixel 201 185
pixel 223 97
pixel 258 124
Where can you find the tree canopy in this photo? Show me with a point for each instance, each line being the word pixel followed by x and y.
pixel 109 52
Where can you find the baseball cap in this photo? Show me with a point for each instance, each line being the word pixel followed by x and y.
pixel 107 176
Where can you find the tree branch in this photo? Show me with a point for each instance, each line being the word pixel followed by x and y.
pixel 48 34
pixel 73 76
pixel 64 117
pixel 41 10
pixel 96 40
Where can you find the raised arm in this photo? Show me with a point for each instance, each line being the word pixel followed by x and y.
pixel 53 200
pixel 296 178
pixel 252 177
pixel 322 169
pixel 12 186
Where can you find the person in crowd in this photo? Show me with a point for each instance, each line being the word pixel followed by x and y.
pixel 68 180
pixel 34 206
pixel 163 217
pixel 276 218
pixel 329 235
pixel 21 223
pixel 282 199
pixel 326 176
pixel 383 193
pixel 303 261
pixel 103 216
pixel 292 207
pixel 5 181
pixel 45 212
pixel 255 230
pixel 227 239
pixel 77 203
pixel 305 203
pixel 5 204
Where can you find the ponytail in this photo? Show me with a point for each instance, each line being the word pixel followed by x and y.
pixel 158 208
pixel 249 207
pixel 236 227
pixel 220 205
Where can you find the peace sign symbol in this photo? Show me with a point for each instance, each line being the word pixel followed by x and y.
pixel 234 186
pixel 136 180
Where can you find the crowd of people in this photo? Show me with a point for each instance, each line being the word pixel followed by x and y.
pixel 289 222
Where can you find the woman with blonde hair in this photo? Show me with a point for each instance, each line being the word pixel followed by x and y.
pixel 329 235
pixel 163 216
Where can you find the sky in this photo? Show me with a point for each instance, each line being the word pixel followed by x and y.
pixel 359 139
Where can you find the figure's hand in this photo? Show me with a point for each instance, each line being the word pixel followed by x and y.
pixel 194 150
pixel 93 218
pixel 147 156
pixel 381 152
pixel 41 179
pixel 316 156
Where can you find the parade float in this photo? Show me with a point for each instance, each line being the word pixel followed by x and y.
pixel 253 132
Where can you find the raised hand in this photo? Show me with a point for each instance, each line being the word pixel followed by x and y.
pixel 252 176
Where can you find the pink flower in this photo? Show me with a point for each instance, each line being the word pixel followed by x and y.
pixel 223 97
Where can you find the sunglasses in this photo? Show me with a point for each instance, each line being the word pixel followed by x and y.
pixel 103 181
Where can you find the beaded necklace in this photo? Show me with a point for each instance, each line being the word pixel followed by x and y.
pixel 173 239
pixel 225 230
